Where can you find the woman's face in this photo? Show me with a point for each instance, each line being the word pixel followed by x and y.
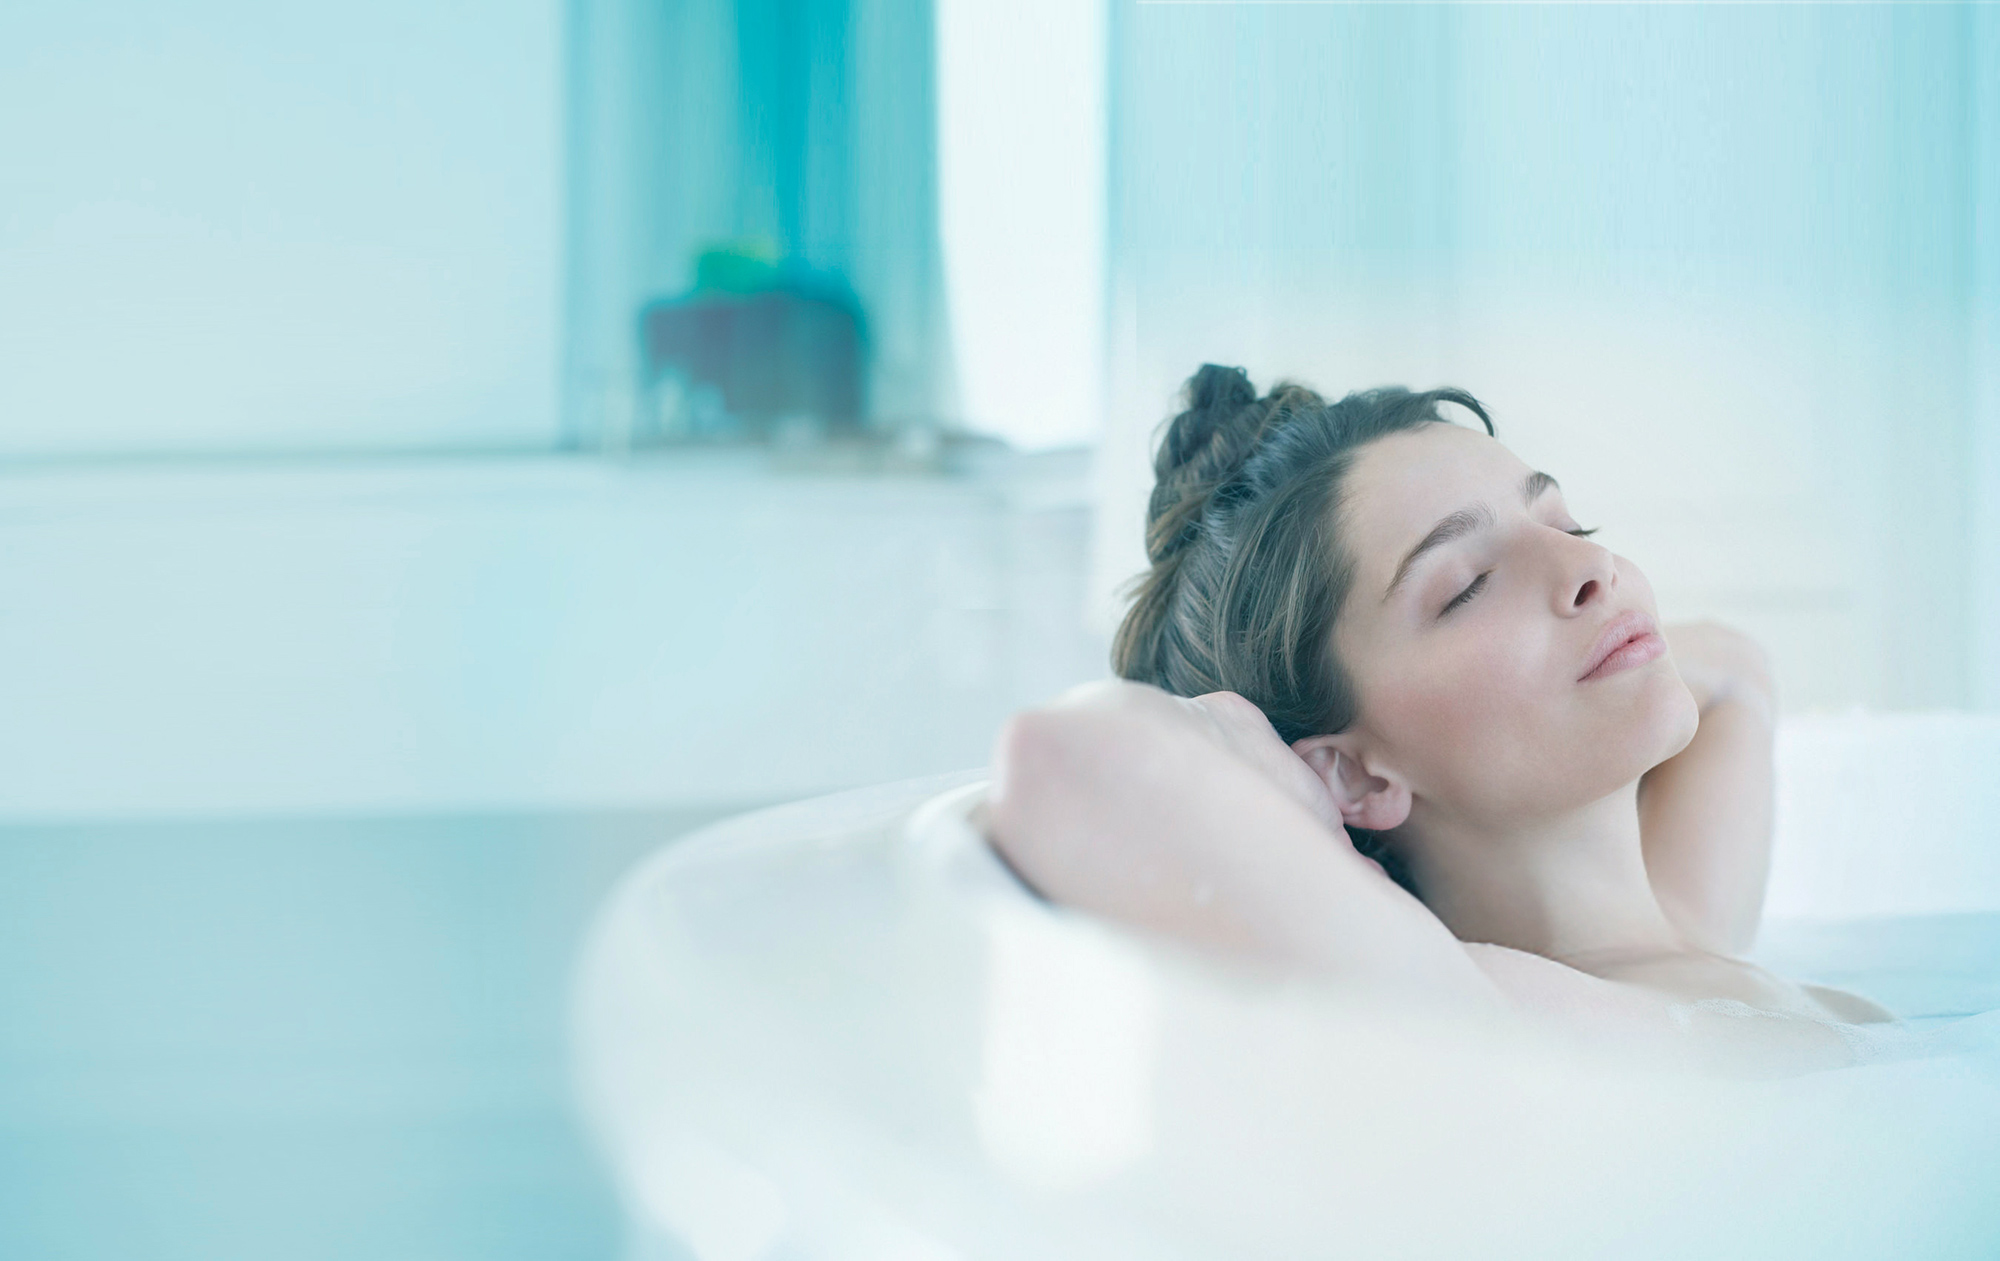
pixel 1471 630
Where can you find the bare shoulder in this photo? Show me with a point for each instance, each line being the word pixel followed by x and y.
pixel 1623 1017
pixel 1555 992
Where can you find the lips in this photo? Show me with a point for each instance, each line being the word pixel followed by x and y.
pixel 1630 639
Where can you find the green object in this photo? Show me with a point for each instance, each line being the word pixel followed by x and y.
pixel 749 265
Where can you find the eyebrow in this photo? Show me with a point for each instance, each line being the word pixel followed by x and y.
pixel 1463 522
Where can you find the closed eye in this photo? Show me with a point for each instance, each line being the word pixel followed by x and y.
pixel 1473 588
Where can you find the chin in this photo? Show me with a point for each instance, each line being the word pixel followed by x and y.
pixel 1651 724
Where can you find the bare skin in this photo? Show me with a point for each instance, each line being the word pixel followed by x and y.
pixel 1592 844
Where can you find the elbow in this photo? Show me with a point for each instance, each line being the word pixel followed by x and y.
pixel 1022 758
pixel 1038 774
pixel 1072 737
pixel 1060 767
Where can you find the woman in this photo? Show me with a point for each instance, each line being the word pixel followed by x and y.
pixel 1387 714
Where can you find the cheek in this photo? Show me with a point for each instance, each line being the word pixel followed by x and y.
pixel 1470 710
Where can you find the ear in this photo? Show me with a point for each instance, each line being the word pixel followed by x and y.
pixel 1367 799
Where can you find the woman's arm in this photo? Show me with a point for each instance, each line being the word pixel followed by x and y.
pixel 1705 814
pixel 1184 818
pixel 1180 817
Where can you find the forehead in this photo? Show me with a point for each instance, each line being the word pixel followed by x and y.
pixel 1400 484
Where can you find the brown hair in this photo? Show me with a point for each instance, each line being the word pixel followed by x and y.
pixel 1248 568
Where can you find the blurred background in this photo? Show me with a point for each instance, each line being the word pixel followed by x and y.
pixel 448 451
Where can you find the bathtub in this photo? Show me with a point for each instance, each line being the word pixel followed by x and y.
pixel 840 1029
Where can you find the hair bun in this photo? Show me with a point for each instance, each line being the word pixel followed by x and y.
pixel 1206 446
pixel 1203 446
pixel 1215 396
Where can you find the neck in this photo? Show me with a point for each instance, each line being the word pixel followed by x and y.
pixel 1571 887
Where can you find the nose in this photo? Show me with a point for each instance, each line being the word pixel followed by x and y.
pixel 1589 574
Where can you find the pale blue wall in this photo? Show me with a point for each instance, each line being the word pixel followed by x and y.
pixel 1753 145
pixel 234 226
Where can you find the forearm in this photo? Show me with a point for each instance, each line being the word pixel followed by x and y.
pixel 1706 813
pixel 1714 800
